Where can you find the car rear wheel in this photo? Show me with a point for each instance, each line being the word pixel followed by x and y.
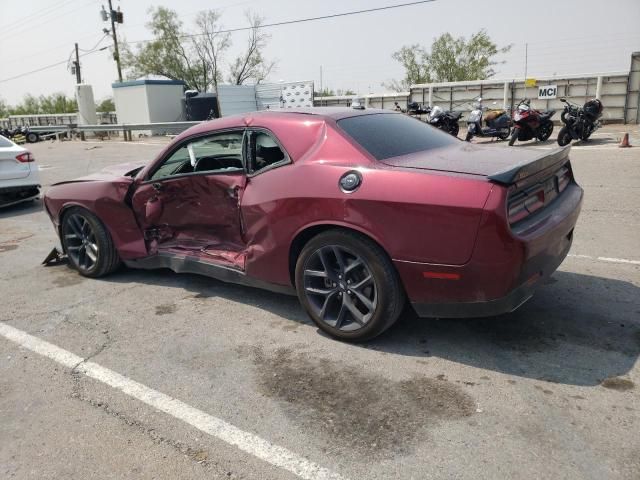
pixel 348 285
pixel 88 244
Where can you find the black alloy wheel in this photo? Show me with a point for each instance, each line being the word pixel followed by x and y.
pixel 88 244
pixel 348 285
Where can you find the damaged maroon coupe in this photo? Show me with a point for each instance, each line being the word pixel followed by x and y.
pixel 353 211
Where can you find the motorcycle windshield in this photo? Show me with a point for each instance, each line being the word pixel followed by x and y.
pixel 474 116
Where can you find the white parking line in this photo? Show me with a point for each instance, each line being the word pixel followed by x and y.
pixel 607 259
pixel 216 427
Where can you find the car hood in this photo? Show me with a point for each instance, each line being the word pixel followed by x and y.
pixel 482 160
pixel 110 173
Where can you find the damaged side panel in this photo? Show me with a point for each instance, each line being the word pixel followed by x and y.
pixel 108 200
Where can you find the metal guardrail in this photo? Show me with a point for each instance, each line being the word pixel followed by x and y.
pixel 125 128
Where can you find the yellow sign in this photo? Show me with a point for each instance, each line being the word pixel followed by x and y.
pixel 530 82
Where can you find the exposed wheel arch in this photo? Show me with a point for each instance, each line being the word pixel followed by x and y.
pixel 307 233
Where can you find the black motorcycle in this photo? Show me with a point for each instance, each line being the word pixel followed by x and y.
pixel 579 122
pixel 445 120
pixel 497 123
pixel 531 123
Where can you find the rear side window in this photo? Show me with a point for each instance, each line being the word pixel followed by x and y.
pixel 387 135
pixel 4 142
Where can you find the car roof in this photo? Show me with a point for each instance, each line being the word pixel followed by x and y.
pixel 336 113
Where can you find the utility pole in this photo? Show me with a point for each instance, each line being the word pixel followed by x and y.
pixel 321 80
pixel 526 61
pixel 116 52
pixel 77 62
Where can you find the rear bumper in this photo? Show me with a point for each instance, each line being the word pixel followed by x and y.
pixel 489 308
pixel 506 268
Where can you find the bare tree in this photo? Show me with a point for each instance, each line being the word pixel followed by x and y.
pixel 209 46
pixel 251 64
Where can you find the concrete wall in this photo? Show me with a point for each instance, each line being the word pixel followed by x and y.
pixel 619 92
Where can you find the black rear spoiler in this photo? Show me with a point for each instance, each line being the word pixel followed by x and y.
pixel 544 161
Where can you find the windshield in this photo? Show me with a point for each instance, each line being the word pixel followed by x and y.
pixel 387 135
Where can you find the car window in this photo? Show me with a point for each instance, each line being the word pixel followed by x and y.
pixel 219 153
pixel 265 152
pixel 387 135
pixel 4 142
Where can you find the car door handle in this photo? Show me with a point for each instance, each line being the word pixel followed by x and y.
pixel 233 192
pixel 157 186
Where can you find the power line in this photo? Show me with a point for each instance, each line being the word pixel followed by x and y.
pixel 302 20
pixel 48 66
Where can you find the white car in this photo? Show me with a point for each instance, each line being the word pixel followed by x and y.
pixel 19 174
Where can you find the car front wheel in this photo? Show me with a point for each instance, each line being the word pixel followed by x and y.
pixel 88 244
pixel 348 285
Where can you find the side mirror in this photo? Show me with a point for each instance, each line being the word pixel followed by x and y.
pixel 563 100
pixel 479 99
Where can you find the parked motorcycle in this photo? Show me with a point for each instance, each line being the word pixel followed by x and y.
pixel 445 120
pixel 21 134
pixel 579 122
pixel 497 123
pixel 531 123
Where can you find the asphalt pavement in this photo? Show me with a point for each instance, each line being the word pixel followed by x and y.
pixel 154 375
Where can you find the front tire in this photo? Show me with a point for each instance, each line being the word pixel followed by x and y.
pixel 32 137
pixel 564 137
pixel 454 128
pixel 514 136
pixel 468 137
pixel 88 244
pixel 348 285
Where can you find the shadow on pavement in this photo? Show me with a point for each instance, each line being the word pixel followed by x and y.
pixel 578 329
pixel 23 208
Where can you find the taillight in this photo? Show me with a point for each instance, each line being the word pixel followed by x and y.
pixel 25 157
pixel 564 177
pixel 524 204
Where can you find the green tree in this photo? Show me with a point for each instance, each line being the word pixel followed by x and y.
pixel 326 92
pixel 196 57
pixel 449 60
pixel 106 105
pixel 54 103
pixel 4 109
pixel 251 65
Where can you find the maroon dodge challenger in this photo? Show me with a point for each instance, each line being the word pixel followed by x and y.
pixel 356 212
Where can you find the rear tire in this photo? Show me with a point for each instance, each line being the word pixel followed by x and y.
pixel 564 137
pixel 514 136
pixel 545 132
pixel 88 244
pixel 348 285
pixel 32 137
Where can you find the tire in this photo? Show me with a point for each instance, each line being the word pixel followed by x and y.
pixel 564 137
pixel 32 137
pixel 545 132
pixel 88 244
pixel 468 137
pixel 326 267
pixel 514 136
pixel 505 134
pixel 454 128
